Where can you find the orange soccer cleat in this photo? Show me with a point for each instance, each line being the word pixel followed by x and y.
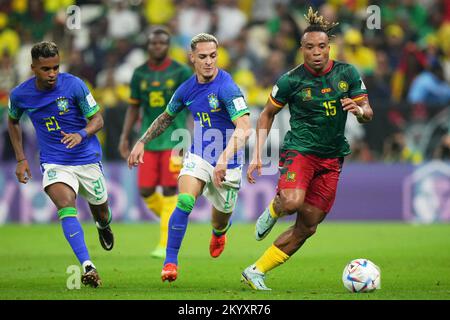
pixel 169 272
pixel 217 244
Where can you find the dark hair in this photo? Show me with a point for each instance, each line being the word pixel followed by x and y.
pixel 44 49
pixel 317 23
pixel 159 30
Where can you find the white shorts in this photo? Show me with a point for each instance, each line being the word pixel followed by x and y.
pixel 88 179
pixel 224 198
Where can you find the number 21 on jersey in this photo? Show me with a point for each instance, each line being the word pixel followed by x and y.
pixel 52 124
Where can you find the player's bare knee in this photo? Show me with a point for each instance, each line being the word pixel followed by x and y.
pixel 289 205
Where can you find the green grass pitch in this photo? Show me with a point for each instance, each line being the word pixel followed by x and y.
pixel 414 262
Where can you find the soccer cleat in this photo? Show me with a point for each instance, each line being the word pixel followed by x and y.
pixel 254 278
pixel 159 252
pixel 91 277
pixel 264 224
pixel 106 238
pixel 217 245
pixel 169 272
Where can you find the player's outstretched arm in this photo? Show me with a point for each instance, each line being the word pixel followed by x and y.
pixel 157 127
pixel 15 134
pixel 236 142
pixel 263 127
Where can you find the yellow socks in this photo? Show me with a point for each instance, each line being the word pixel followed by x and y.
pixel 154 203
pixel 167 207
pixel 272 210
pixel 272 258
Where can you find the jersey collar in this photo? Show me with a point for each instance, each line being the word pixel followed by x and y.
pixel 160 67
pixel 327 69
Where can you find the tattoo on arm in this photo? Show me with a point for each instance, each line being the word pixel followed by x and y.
pixel 157 128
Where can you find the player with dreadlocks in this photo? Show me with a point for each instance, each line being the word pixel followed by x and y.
pixel 320 93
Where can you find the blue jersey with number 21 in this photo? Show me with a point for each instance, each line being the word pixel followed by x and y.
pixel 63 108
pixel 214 106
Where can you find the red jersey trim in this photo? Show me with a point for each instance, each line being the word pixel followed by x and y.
pixel 327 69
pixel 160 67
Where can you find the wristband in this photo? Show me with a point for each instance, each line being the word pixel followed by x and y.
pixel 21 160
pixel 83 134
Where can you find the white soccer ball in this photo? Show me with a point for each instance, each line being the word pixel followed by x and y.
pixel 361 275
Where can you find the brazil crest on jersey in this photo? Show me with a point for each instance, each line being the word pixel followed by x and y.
pixel 63 108
pixel 317 118
pixel 214 106
pixel 152 88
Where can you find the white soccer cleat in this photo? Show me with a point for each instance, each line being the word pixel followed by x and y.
pixel 254 278
pixel 264 224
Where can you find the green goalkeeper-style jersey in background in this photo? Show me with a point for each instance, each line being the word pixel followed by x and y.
pixel 317 118
pixel 152 87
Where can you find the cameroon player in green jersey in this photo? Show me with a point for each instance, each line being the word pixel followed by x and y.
pixel 152 86
pixel 320 94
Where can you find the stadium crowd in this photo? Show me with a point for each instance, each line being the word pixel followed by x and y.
pixel 405 63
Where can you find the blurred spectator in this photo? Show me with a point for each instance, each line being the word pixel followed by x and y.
pixel 442 151
pixel 429 88
pixel 395 149
pixel 393 45
pixel 230 20
pixel 35 20
pixel 9 38
pixel 412 62
pixel 286 34
pixel 122 22
pixel 79 68
pixel 354 52
pixel 193 18
pixel 379 81
pixel 159 12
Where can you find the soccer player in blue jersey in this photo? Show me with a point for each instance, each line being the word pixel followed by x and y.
pixel 213 166
pixel 70 153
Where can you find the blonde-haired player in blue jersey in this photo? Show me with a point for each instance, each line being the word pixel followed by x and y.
pixel 213 166
pixel 70 153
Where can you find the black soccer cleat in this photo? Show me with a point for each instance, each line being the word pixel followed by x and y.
pixel 91 277
pixel 106 238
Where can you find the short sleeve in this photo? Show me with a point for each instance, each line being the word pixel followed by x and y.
pixel 356 84
pixel 84 98
pixel 13 109
pixel 280 92
pixel 176 104
pixel 233 99
pixel 135 88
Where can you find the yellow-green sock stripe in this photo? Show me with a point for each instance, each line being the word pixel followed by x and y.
pixel 67 212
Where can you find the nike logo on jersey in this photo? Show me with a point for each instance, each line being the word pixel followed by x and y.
pixel 74 234
pixel 188 103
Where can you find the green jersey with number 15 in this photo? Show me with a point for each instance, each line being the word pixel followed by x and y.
pixel 151 88
pixel 317 118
